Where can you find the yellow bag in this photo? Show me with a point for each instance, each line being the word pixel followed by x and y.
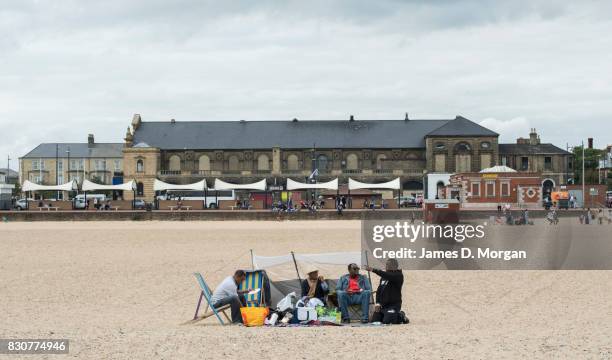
pixel 254 316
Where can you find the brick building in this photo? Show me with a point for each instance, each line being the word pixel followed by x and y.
pixel 496 185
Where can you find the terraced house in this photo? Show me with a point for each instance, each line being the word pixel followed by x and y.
pixel 58 163
pixel 423 153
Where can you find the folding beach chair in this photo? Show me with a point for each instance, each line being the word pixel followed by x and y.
pixel 206 293
pixel 256 279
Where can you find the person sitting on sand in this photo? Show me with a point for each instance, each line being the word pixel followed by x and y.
pixel 389 293
pixel 227 293
pixel 314 286
pixel 353 289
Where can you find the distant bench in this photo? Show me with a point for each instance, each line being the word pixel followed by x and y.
pixel 178 208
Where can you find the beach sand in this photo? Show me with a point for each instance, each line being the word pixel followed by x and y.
pixel 122 290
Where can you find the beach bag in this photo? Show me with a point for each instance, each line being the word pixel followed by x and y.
pixel 254 316
pixel 306 313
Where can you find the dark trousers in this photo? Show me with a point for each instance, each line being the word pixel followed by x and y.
pixel 389 314
pixel 236 302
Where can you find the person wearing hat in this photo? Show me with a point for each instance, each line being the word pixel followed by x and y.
pixel 354 289
pixel 314 286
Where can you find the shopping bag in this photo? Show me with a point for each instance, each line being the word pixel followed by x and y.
pixel 254 316
pixel 306 314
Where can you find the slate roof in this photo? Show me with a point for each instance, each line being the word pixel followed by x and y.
pixel 527 149
pixel 12 173
pixel 462 127
pixel 77 150
pixel 293 134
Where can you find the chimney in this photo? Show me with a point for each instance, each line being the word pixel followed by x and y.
pixel 129 138
pixel 352 118
pixel 90 140
pixel 136 120
pixel 590 141
pixel 406 118
pixel 534 139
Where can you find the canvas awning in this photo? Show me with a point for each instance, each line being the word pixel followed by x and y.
pixel 393 184
pixel 294 185
pixel 159 185
pixel 222 185
pixel 69 186
pixel 337 258
pixel 92 186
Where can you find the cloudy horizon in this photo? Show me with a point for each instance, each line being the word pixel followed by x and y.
pixel 70 68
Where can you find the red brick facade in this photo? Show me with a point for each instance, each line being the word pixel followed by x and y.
pixel 491 189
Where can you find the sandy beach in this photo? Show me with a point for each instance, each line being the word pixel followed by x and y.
pixel 122 290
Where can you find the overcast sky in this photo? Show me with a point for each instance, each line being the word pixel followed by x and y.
pixel 69 68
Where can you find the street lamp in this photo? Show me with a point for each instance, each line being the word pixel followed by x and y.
pixel 599 169
pixel 68 153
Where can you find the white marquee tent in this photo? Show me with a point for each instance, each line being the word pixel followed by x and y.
pixel 222 185
pixel 294 185
pixel 30 186
pixel 92 186
pixel 163 186
pixel 393 185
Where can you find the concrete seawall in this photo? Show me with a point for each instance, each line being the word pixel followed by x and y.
pixel 220 215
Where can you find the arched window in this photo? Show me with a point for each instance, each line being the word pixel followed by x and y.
pixel 322 163
pixel 174 163
pixel 204 163
pixel 380 160
pixel 463 157
pixel 440 190
pixel 463 147
pixel 352 162
pixel 233 163
pixel 140 189
pixel 292 162
pixel 139 166
pixel 263 162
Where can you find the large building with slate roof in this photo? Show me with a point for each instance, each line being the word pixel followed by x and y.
pixel 366 150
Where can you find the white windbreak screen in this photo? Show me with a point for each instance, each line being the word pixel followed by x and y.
pixel 294 185
pixel 30 186
pixel 330 265
pixel 92 186
pixel 393 184
pixel 161 186
pixel 222 185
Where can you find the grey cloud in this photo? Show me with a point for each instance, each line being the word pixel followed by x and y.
pixel 72 67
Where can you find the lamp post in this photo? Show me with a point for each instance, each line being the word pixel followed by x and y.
pixel 583 187
pixel 8 168
pixel 599 169
pixel 68 154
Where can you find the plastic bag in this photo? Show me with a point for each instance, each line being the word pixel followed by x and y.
pixel 287 303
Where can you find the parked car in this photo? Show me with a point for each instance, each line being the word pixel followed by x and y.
pixel 140 204
pixel 407 201
pixel 20 204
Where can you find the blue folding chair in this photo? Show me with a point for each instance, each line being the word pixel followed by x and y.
pixel 206 293
pixel 255 279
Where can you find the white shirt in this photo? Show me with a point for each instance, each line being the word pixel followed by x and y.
pixel 227 288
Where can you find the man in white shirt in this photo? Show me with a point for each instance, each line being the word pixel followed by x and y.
pixel 227 293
